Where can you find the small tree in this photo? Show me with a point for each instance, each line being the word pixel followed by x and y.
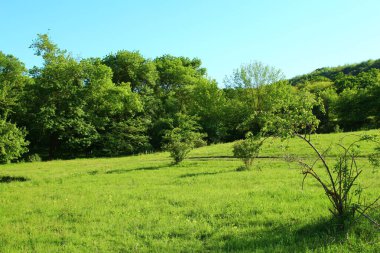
pixel 292 116
pixel 183 138
pixel 341 184
pixel 248 149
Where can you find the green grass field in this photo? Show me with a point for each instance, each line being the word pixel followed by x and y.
pixel 145 204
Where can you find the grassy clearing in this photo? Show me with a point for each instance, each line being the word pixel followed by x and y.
pixel 142 203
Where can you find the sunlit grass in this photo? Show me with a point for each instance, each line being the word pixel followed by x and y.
pixel 144 204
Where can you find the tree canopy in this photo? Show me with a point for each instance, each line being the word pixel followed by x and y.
pixel 125 103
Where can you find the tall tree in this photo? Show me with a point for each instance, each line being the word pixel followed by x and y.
pixel 178 77
pixel 208 102
pixel 57 101
pixel 13 79
pixel 249 81
pixel 12 82
pixel 133 68
pixel 76 107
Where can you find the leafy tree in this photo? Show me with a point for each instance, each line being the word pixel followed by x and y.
pixel 208 103
pixel 123 138
pixel 358 107
pixel 178 77
pixel 327 113
pixel 349 109
pixel 343 82
pixel 115 111
pixel 293 116
pixel 254 75
pixel 291 112
pixel 251 79
pixel 177 72
pixel 122 103
pixel 236 113
pixel 12 83
pixel 133 68
pixel 57 101
pixel 75 107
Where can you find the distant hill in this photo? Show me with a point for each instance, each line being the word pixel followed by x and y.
pixel 330 73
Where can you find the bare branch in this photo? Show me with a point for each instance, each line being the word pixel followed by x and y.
pixel 323 161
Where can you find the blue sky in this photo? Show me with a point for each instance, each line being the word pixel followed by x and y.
pixel 296 36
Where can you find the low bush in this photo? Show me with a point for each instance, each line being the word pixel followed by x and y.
pixel 33 158
pixel 248 149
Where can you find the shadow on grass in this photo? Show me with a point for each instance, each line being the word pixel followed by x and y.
pixel 93 172
pixel 10 179
pixel 283 238
pixel 122 171
pixel 228 157
pixel 202 174
pixel 197 174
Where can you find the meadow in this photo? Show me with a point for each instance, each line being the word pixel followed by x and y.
pixel 145 204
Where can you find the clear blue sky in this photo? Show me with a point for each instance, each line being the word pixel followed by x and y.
pixel 296 36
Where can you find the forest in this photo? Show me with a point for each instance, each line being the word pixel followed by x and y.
pixel 125 104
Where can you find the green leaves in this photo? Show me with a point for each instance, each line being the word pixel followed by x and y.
pixel 254 75
pixel 123 138
pixel 183 137
pixel 291 112
pixel 12 83
pixel 77 109
pixel 12 142
pixel 248 149
pixel 125 103
pixel 133 68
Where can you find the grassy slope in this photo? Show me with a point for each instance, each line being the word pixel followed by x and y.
pixel 141 203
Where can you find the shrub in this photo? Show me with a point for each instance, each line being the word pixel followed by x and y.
pixel 337 129
pixel 12 142
pixel 248 149
pixel 183 137
pixel 178 150
pixel 33 158
pixel 181 142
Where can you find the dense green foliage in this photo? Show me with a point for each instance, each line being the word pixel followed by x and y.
pixel 350 95
pixel 144 204
pixel 12 142
pixel 126 104
pixel 332 73
pixel 12 83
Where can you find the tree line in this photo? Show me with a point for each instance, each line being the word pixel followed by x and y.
pixel 126 104
pixel 350 95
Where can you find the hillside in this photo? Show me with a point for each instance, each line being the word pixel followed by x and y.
pixel 145 204
pixel 331 73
